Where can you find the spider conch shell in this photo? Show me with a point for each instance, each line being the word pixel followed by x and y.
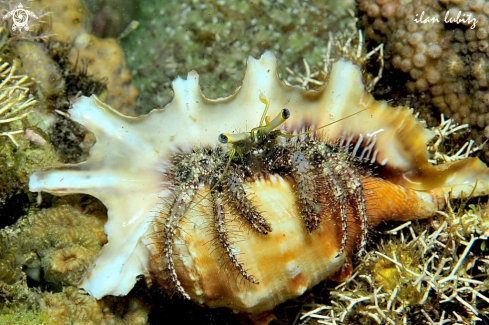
pixel 125 169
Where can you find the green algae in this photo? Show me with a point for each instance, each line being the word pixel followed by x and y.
pixel 15 315
pixel 215 38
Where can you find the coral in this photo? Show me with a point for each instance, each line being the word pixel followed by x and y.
pixel 14 315
pixel 60 241
pixel 51 79
pixel 425 272
pixel 215 38
pixel 61 74
pixel 15 100
pixel 75 306
pixel 67 18
pixel 66 265
pixel 444 66
pixel 105 59
pixel 102 58
pixel 22 147
pixel 38 64
pixel 313 77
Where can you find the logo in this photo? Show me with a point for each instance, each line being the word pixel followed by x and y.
pixel 20 17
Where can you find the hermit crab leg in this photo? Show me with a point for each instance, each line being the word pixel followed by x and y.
pixel 355 190
pixel 339 193
pixel 241 204
pixel 305 179
pixel 177 211
pixel 219 221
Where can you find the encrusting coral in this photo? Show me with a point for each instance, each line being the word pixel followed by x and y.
pixel 445 65
pixel 61 241
pixel 74 306
pixel 51 250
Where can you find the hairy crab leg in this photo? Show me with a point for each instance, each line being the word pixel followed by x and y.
pixel 352 180
pixel 242 204
pixel 222 235
pixel 339 193
pixel 305 178
pixel 177 211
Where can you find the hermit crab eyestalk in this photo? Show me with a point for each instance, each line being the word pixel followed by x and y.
pixel 277 121
pixel 232 138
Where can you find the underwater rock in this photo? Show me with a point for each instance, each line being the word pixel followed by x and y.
pixel 102 58
pixel 37 63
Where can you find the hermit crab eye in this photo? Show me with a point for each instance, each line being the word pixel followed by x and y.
pixel 223 138
pixel 285 113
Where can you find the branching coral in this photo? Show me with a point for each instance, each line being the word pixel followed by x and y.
pixel 19 143
pixel 15 99
pixel 423 276
pixel 348 45
pixel 432 273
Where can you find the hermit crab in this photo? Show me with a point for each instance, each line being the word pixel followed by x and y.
pixel 250 218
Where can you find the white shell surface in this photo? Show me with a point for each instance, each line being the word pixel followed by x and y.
pixel 125 166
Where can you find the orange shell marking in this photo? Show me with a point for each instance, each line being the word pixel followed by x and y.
pixel 287 261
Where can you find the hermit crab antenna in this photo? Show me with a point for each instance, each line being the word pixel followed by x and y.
pixel 322 127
